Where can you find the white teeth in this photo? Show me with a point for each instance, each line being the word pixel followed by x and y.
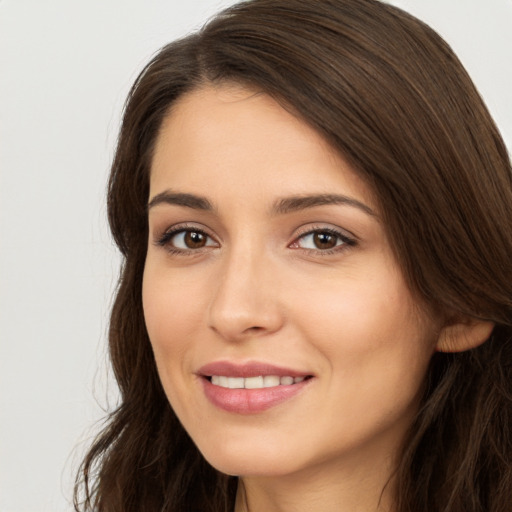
pixel 270 381
pixel 267 381
pixel 253 382
pixel 235 382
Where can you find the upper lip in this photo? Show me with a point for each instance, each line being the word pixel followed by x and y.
pixel 248 369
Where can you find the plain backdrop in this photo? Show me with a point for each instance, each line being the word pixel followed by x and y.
pixel 65 69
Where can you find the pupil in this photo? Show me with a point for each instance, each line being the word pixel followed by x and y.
pixel 194 240
pixel 324 240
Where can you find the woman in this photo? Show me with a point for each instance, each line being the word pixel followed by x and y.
pixel 315 307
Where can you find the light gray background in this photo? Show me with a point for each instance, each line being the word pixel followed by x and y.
pixel 65 68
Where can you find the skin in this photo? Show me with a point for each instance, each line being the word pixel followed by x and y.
pixel 260 289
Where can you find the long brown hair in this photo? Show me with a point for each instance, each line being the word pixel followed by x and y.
pixel 389 94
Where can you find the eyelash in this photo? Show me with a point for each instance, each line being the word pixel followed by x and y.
pixel 165 239
pixel 346 241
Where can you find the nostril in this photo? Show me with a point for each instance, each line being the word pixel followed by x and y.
pixel 254 329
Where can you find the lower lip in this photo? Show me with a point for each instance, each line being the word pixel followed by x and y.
pixel 250 401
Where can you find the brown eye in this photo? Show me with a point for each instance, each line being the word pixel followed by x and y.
pixel 187 240
pixel 325 240
pixel 195 239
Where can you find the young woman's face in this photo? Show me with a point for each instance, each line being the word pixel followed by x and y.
pixel 284 334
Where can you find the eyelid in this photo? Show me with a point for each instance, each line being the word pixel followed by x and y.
pixel 312 227
pixel 163 239
pixel 348 239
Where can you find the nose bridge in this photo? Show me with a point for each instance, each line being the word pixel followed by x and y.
pixel 245 300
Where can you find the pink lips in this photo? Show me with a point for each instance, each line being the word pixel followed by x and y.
pixel 249 401
pixel 252 369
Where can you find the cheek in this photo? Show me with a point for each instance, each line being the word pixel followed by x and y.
pixel 370 329
pixel 377 350
pixel 357 311
pixel 172 311
pixel 173 314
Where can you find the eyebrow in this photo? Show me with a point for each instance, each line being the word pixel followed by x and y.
pixel 280 207
pixel 180 199
pixel 294 203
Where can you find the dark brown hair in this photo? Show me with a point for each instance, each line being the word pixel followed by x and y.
pixel 389 94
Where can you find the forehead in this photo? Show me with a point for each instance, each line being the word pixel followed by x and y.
pixel 236 137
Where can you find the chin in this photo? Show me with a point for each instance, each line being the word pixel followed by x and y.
pixel 247 463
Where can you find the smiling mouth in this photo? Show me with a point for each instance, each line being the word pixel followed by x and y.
pixel 257 382
pixel 252 387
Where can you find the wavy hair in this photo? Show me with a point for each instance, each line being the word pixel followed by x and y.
pixel 389 94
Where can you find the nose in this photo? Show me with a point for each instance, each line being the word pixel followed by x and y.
pixel 245 303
